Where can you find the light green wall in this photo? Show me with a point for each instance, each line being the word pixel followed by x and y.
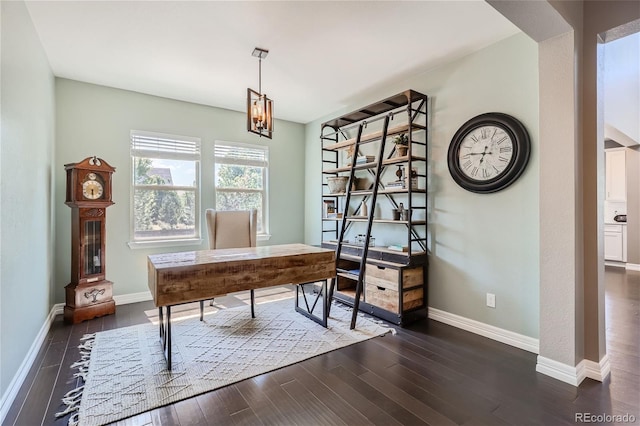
pixel 26 158
pixel 97 120
pixel 480 243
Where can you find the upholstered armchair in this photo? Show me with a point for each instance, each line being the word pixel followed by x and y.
pixel 232 229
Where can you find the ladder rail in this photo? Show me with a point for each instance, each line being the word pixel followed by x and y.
pixel 372 210
pixel 343 223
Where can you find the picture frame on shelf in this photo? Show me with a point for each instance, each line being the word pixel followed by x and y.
pixel 329 209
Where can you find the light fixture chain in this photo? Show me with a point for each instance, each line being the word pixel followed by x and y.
pixel 260 76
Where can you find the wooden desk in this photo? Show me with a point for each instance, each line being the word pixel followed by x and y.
pixel 176 278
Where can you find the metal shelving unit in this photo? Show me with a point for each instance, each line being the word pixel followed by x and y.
pixel 366 273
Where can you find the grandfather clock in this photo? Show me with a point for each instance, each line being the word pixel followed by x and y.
pixel 89 294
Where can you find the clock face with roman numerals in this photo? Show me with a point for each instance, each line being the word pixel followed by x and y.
pixel 485 153
pixel 489 152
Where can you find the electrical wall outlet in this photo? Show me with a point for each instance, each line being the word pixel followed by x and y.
pixel 491 300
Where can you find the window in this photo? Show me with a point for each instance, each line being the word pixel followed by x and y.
pixel 165 180
pixel 240 179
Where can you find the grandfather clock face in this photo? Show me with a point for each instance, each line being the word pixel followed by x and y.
pixel 92 187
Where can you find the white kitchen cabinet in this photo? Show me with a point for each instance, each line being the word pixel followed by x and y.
pixel 615 243
pixel 616 174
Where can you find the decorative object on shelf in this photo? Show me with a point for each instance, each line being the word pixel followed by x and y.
pixel 337 184
pixel 361 239
pixel 89 294
pixel 400 173
pixel 363 209
pixel 329 209
pixel 489 152
pixel 398 183
pixel 414 180
pixel 402 145
pixel 401 213
pixel 259 106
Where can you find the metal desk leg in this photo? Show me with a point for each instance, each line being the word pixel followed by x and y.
pixel 307 309
pixel 165 335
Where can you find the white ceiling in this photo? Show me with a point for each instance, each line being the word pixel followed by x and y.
pixel 322 54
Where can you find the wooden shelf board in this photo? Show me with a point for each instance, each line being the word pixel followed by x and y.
pixel 370 137
pixel 348 276
pixel 364 166
pixel 380 191
pixel 389 191
pixel 365 219
pixel 351 294
pixel 376 248
pixel 391 103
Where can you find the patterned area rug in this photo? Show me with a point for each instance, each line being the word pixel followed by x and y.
pixel 125 371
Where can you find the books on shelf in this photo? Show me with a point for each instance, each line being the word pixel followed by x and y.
pixel 363 159
pixel 395 184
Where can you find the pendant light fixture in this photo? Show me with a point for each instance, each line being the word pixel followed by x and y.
pixel 259 107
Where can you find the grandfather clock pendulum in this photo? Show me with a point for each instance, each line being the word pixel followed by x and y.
pixel 89 295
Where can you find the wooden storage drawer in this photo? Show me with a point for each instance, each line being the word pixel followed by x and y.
pixel 388 299
pixel 385 298
pixel 383 283
pixel 390 278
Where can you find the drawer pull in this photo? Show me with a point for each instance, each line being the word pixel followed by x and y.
pixel 381 288
pixel 381 267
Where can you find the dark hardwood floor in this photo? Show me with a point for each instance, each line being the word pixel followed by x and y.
pixel 429 373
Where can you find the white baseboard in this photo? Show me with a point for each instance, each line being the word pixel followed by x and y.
pixel 495 333
pixel 557 370
pixel 633 267
pixel 57 309
pixel 597 370
pixel 574 375
pixel 16 383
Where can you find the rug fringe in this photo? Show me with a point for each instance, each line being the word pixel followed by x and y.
pixel 72 398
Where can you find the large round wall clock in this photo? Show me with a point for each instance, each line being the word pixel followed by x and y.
pixel 489 152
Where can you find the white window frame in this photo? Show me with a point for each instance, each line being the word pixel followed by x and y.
pixel 264 235
pixel 150 153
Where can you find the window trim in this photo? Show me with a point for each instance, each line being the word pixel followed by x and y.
pixel 264 235
pixel 195 239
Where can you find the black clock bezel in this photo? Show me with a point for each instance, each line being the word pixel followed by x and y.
pixel 518 163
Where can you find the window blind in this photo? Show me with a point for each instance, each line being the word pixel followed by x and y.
pixel 151 145
pixel 252 155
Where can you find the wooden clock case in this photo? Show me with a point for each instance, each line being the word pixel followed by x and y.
pixel 89 294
